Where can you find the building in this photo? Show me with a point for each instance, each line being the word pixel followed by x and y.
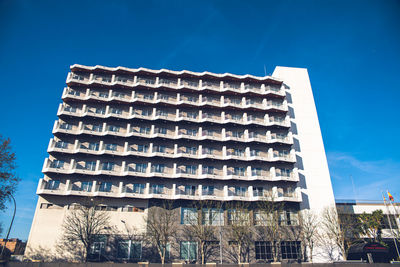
pixel 350 210
pixel 14 245
pixel 131 137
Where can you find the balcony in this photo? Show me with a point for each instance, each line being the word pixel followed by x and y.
pixel 156 82
pixel 168 191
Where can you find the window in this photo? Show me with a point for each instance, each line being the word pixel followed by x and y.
pixel 105 186
pixel 191 169
pixel 290 249
pixel 292 218
pixel 143 148
pixel 75 92
pixel 239 217
pixel 237 134
pixel 208 190
pixel 90 165
pixel 191 150
pixel 97 128
pixel 111 147
pixel 190 190
pixel 192 99
pixel 283 172
pixel 113 128
pixel 138 188
pixel 116 111
pixel 144 130
pixel 188 251
pixel 94 146
pixel 192 115
pixel 239 171
pixel 212 217
pixel 57 164
pixel 208 170
pixel 148 97
pixel 103 95
pixel 258 191
pixel 98 246
pixel 86 186
pixel 236 117
pixel 140 167
pixel 238 152
pixel 281 153
pixel 70 109
pixel 159 168
pixel 52 185
pixel 101 111
pixel 163 97
pixel 108 166
pixel 240 191
pixel 160 149
pixel 256 171
pixel 208 150
pixel 263 250
pixel 191 132
pixel 162 130
pixel 146 112
pixel 66 126
pixel 128 249
pixel 162 112
pixel 188 215
pixel 62 144
pixel 262 218
pixel 255 153
pixel 119 94
pixel 210 132
pixel 157 189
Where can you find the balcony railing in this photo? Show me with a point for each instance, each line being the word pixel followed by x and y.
pixel 170 191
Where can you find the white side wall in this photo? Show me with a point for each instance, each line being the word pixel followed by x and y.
pixel 315 181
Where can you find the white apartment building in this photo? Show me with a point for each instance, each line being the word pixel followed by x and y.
pixel 133 137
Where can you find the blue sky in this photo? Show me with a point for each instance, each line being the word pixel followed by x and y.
pixel 351 49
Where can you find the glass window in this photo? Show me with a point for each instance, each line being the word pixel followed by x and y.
pixel 53 185
pixel 188 216
pixel 66 126
pixel 208 190
pixel 212 217
pixel 62 144
pixel 159 168
pixel 113 128
pixel 240 191
pixel 86 186
pixel 188 251
pixel 290 249
pixel 208 170
pixel 103 95
pixel 105 186
pixel 190 190
pixel 117 111
pixel 111 147
pixel 208 150
pixel 143 148
pixel 108 166
pixel 191 150
pixel 128 249
pixel 90 165
pixel 94 146
pixel 101 111
pixel 263 250
pixel 258 191
pixel 239 171
pixel 238 152
pixel 256 171
pixel 162 130
pixel 138 188
pixel 140 167
pixel 144 130
pixel 157 189
pixel 160 149
pixel 97 128
pixel 192 132
pixel 191 169
pixel 57 164
pixel 70 109
pixel 255 153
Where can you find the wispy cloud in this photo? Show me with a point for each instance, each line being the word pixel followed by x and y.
pixel 363 179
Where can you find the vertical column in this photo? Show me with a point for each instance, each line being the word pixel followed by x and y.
pixel 121 188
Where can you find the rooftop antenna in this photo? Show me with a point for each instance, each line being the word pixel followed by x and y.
pixel 265 71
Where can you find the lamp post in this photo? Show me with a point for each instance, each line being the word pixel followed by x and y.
pixel 9 228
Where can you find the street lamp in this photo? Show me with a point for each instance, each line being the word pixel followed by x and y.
pixel 9 228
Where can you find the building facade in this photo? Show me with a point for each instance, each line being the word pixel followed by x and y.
pixel 134 137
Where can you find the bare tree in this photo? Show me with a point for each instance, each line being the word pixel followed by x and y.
pixel 343 230
pixel 8 178
pixel 161 229
pixel 82 227
pixel 270 212
pixel 309 224
pixel 202 228
pixel 240 231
